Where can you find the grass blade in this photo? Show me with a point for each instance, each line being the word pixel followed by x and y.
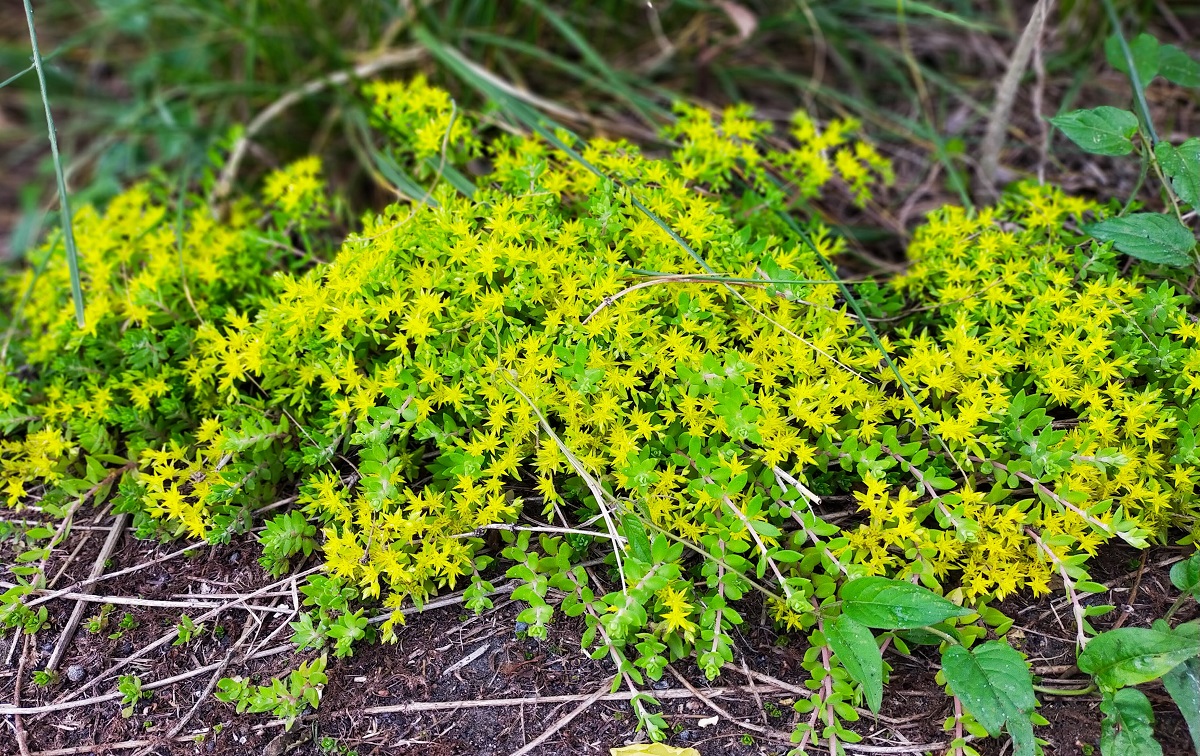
pixel 64 202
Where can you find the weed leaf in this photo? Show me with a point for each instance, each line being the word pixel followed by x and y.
pixel 994 685
pixel 1182 166
pixel 1178 67
pixel 895 605
pixel 1153 237
pixel 1134 655
pixel 1128 727
pixel 1183 683
pixel 1146 54
pixel 855 648
pixel 1185 575
pixel 1101 131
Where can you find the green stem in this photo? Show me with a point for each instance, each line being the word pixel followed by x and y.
pixel 68 233
pixel 1175 607
pixel 1136 80
pixel 1065 691
pixel 944 635
pixel 1141 180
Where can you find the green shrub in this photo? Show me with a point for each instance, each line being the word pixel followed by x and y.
pixel 642 353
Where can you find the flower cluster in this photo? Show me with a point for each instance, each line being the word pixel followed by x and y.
pixel 633 357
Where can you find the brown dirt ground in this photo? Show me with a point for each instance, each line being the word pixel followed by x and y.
pixel 418 669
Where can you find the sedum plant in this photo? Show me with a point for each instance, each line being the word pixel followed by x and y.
pixel 628 382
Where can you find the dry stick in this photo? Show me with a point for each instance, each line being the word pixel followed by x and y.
pixel 564 720
pixel 385 60
pixel 170 636
pixel 124 745
pixel 68 631
pixel 768 732
pixel 1076 607
pixel 92 598
pixel 119 573
pixel 621 695
pixel 58 706
pixel 18 725
pixel 1006 95
pixel 212 683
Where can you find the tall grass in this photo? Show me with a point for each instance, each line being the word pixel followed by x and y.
pixel 63 200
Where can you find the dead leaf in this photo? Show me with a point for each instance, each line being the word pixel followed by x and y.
pixel 652 749
pixel 745 20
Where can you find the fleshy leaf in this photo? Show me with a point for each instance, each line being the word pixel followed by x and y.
pixel 1182 166
pixel 1183 683
pixel 1145 50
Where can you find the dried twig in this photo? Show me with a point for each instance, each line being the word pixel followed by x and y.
pixel 1006 94
pixel 564 720
pixel 68 631
pixel 389 59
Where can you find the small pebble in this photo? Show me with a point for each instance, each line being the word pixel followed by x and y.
pixel 522 627
pixel 662 684
pixel 76 673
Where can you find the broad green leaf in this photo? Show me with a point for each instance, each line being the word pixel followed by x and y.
pixel 1145 51
pixel 1182 166
pixel 1185 575
pixel 895 605
pixel 1134 655
pixel 1178 67
pixel 855 648
pixel 1101 131
pixel 1153 237
pixel 1183 683
pixel 994 685
pixel 1128 726
pixel 639 543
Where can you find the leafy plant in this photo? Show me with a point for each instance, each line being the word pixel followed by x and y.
pixel 1157 238
pixel 285 536
pixel 45 678
pixel 285 698
pixel 626 383
pixel 1121 659
pixel 186 629
pixel 130 688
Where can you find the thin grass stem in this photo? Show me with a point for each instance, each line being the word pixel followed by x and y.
pixel 63 200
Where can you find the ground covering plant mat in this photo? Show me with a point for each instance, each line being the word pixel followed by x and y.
pixel 624 386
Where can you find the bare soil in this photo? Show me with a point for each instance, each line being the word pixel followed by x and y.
pixel 502 666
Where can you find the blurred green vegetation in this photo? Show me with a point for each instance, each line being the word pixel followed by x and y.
pixel 139 86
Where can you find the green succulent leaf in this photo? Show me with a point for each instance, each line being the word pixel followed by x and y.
pixel 1153 237
pixel 1135 655
pixel 855 648
pixel 1128 726
pixel 1101 131
pixel 887 604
